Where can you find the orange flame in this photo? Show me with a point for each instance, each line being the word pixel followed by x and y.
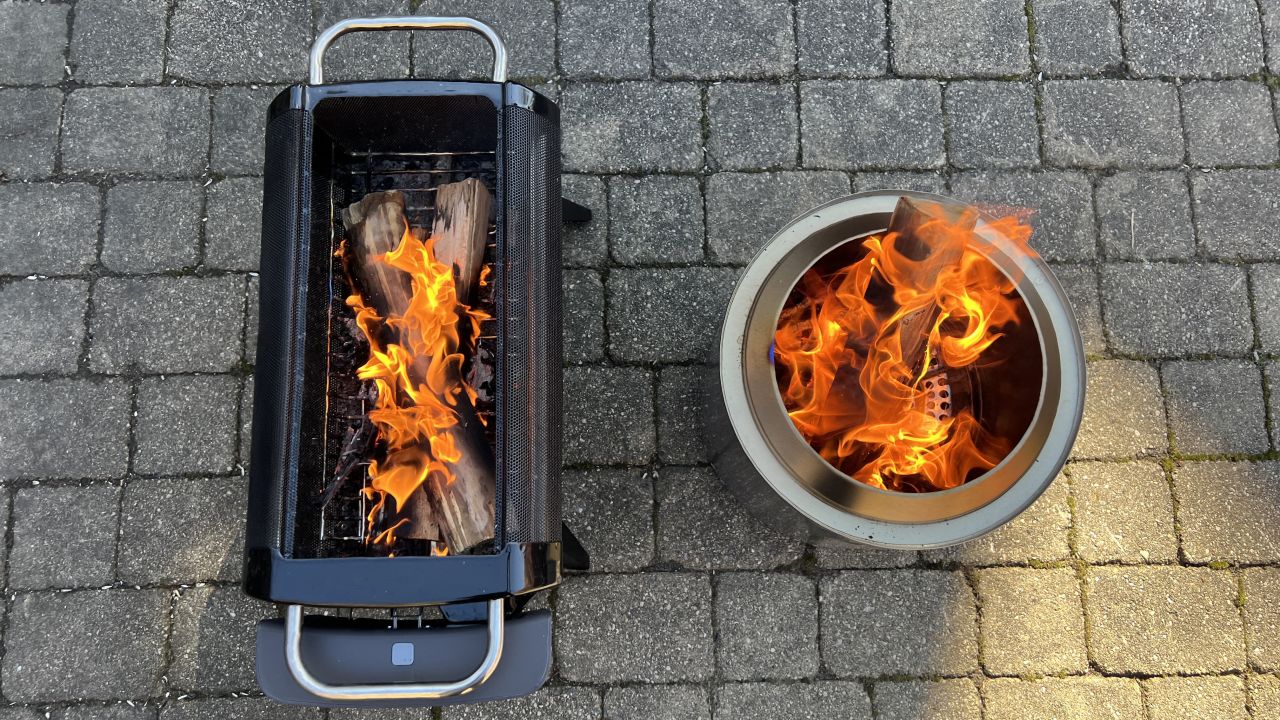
pixel 418 378
pixel 848 377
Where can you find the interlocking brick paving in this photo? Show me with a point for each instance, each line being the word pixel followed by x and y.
pixel 1143 584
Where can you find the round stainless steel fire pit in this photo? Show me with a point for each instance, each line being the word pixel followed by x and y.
pixel 1035 398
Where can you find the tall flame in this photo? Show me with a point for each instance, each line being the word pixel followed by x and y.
pixel 418 377
pixel 846 372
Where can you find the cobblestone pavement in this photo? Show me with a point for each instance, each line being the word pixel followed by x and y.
pixel 1145 583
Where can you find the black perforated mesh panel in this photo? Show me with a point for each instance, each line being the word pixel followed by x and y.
pixel 279 383
pixel 529 400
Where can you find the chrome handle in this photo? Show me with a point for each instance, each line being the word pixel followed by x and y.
pixel 338 29
pixel 394 691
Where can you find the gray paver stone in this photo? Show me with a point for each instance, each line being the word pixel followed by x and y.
pixel 186 424
pixel 167 324
pixel 151 130
pixel 1161 310
pixel 871 124
pixel 1076 36
pixel 1145 216
pixel 64 537
pixel 586 243
pixel 611 512
pixel 1236 212
pixel 1229 123
pixel 701 525
pixel 152 226
pixel 797 701
pixel 1112 123
pixel 653 628
pixel 118 41
pixel 668 315
pixel 841 38
pixel 583 317
pixel 29 131
pixel 608 416
pixel 602 39
pixel 182 531
pixel 1216 406
pixel 71 428
pixel 752 126
pixel 125 627
pixel 42 326
pixel 1031 621
pixel 1162 619
pixel 233 232
pixel 264 41
pixel 992 125
pixel 1227 511
pixel 632 126
pixel 683 392
pixel 768 626
pixel 732 38
pixel 655 220
pixel 1188 37
pixel 923 623
pixel 1123 512
pixel 33 43
pixel 936 700
pixel 49 228
pixel 1265 286
pixel 987 38
pixel 673 702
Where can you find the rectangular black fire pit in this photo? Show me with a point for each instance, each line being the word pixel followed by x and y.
pixel 311 538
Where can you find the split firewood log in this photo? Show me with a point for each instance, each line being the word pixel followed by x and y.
pixel 459 510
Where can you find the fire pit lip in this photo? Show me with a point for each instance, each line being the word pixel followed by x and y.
pixel 831 499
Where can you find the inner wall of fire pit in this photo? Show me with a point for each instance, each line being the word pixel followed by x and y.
pixel 360 145
pixel 1001 390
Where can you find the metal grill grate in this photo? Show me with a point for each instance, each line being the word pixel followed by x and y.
pixel 343 524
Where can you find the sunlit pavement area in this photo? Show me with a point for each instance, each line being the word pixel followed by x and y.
pixel 1144 584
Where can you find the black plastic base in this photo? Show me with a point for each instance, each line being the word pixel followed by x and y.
pixel 347 652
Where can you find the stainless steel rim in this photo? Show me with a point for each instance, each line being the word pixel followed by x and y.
pixel 831 500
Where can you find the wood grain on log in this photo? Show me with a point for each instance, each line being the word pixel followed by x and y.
pixel 463 514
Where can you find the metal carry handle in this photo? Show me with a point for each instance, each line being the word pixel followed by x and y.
pixel 338 29
pixel 394 691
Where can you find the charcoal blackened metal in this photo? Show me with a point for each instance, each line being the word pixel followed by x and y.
pixel 307 543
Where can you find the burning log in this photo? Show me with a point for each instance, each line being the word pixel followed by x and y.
pixel 919 233
pixel 410 310
pixel 461 228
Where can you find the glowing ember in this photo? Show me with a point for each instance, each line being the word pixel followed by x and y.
pixel 861 352
pixel 418 379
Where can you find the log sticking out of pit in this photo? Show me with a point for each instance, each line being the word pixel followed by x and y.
pixel 459 510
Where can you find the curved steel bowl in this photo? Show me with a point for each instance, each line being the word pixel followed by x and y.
pixel 761 456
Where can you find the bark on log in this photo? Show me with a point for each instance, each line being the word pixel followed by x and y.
pixel 463 515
